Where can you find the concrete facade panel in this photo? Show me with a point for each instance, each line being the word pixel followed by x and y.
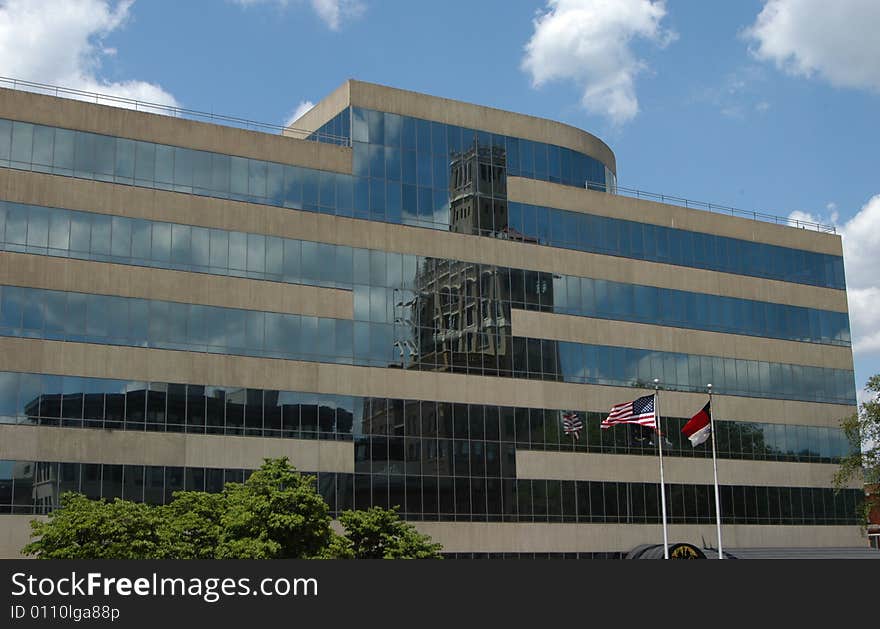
pixel 641 468
pixel 560 537
pixel 15 534
pixel 119 447
pixel 553 538
pixel 321 113
pixel 101 278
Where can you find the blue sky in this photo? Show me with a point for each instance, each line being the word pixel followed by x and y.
pixel 768 105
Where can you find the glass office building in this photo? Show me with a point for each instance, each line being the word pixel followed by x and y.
pixel 404 294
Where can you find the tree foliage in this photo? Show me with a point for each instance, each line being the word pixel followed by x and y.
pixel 89 529
pixel 380 534
pixel 277 513
pixel 862 430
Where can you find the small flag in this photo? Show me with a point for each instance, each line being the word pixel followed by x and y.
pixel 639 436
pixel 699 427
pixel 639 411
pixel 572 424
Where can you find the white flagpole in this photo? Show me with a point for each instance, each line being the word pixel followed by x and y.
pixel 662 483
pixel 715 470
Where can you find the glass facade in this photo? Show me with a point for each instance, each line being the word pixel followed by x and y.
pixel 655 243
pixel 388 431
pixel 105 238
pixel 436 460
pixel 33 487
pixel 418 152
pixel 461 190
pixel 89 318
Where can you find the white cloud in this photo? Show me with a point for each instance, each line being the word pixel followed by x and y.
pixel 861 253
pixel 331 12
pixel 865 319
pixel 334 11
pixel 737 94
pixel 588 42
pixel 836 40
pixel 303 107
pixel 61 43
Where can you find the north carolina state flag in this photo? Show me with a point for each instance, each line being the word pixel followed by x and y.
pixel 699 427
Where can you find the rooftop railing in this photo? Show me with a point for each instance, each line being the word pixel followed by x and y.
pixel 713 207
pixel 169 110
pixel 305 134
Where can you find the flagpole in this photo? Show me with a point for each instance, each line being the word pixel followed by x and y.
pixel 662 482
pixel 715 470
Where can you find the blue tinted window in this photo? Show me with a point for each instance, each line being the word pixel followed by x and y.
pixel 94 156
pixel 90 318
pixel 92 236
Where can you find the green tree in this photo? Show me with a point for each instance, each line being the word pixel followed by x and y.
pixel 862 430
pixel 190 525
pixel 277 513
pixel 96 529
pixel 380 534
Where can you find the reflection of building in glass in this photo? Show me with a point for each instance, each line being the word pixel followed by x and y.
pixel 463 314
pixel 464 317
pixel 461 311
pixel 396 418
pixel 478 191
pixel 45 487
pixel 199 409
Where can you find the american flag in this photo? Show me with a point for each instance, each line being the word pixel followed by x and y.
pixel 572 424
pixel 639 411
